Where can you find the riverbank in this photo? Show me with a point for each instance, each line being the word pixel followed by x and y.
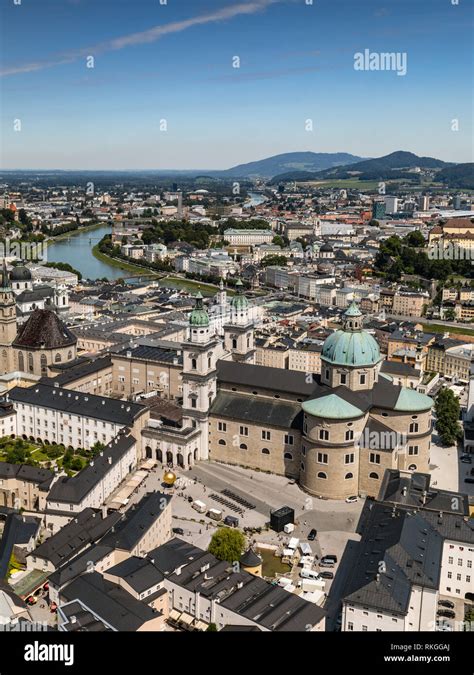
pixel 121 264
pixel 73 233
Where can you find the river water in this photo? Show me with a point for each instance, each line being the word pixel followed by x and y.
pixel 77 251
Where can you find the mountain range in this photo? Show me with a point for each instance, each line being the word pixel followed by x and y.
pixel 289 161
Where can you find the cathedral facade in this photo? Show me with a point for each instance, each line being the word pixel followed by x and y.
pixel 335 433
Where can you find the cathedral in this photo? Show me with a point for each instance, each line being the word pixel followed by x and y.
pixel 335 433
pixel 41 341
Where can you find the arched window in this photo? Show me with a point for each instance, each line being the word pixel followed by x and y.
pixel 69 355
pixel 412 467
pixel 4 356
pixel 222 442
pixel 288 455
pixel 194 364
pixel 30 362
pixel 57 358
pixel 265 451
pixel 321 474
pixel 44 363
pixel 303 468
pixel 414 427
pixel 374 475
pixel 21 361
pixel 243 446
pixel 348 476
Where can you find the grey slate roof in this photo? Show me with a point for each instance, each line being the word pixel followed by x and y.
pixel 251 409
pixel 77 403
pixel 24 472
pixel 411 545
pixel 413 489
pixel 278 379
pixel 74 489
pixel 139 573
pixel 253 598
pixel 110 602
pixel 136 521
pixel 87 527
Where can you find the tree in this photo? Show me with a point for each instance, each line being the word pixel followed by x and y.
pixel 447 412
pixel 415 239
pixel 227 544
pixel 212 628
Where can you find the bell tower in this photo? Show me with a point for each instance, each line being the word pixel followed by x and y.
pixel 8 327
pixel 238 333
pixel 199 377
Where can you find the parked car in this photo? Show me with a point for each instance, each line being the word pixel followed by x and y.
pixel 351 500
pixel 326 575
pixel 472 472
pixel 178 530
pixel 327 563
pixel 446 603
pixel 31 600
pixel 312 535
pixel 448 613
pixel 466 459
pixel 469 480
pixel 329 558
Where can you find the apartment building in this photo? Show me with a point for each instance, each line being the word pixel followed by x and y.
pixel 305 358
pixel 87 375
pixel 248 237
pixel 57 415
pixel 409 304
pixel 146 369
pixel 407 558
pixel 98 480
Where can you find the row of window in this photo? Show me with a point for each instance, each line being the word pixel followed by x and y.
pixel 266 435
pixel 451 562
pixel 348 476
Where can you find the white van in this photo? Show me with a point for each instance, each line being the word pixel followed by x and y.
pixel 199 506
pixel 309 574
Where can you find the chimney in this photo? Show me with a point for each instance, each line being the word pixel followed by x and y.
pixel 104 512
pixel 110 460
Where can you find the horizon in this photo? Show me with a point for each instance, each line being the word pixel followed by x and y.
pixel 161 87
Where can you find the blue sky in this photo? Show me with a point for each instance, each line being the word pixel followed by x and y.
pixel 173 62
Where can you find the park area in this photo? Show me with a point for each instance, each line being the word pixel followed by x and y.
pixel 19 451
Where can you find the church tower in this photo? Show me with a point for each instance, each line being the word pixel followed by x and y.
pixel 199 377
pixel 238 333
pixel 8 327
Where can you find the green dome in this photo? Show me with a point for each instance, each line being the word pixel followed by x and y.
pixel 345 348
pixel 332 407
pixel 239 301
pixel 199 316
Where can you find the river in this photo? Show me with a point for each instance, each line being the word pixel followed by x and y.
pixel 77 251
pixel 255 199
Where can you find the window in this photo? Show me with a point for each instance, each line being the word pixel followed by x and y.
pixel 412 467
pixel 193 364
pixel 322 475
pixel 343 378
pixel 348 476
pixel 303 468
pixel 193 403
pixel 460 562
pixel 322 458
pixel 327 374
pixel 374 458
pixel 287 455
pixel 222 442
pixel 349 458
pixel 244 431
pixel 222 426
pixel 234 343
pixel 469 564
pixel 413 449
pixel 266 435
pixel 414 426
pixel 350 435
pixel 323 435
pixel 450 560
pixel 374 475
pixel 350 625
pixel 450 575
pixel 265 451
pixel 243 446
pixel 362 379
pixel 364 629
pixel 458 577
pixel 289 439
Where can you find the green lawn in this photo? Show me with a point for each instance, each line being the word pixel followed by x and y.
pixel 439 328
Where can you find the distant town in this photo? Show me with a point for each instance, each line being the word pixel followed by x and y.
pixel 240 401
